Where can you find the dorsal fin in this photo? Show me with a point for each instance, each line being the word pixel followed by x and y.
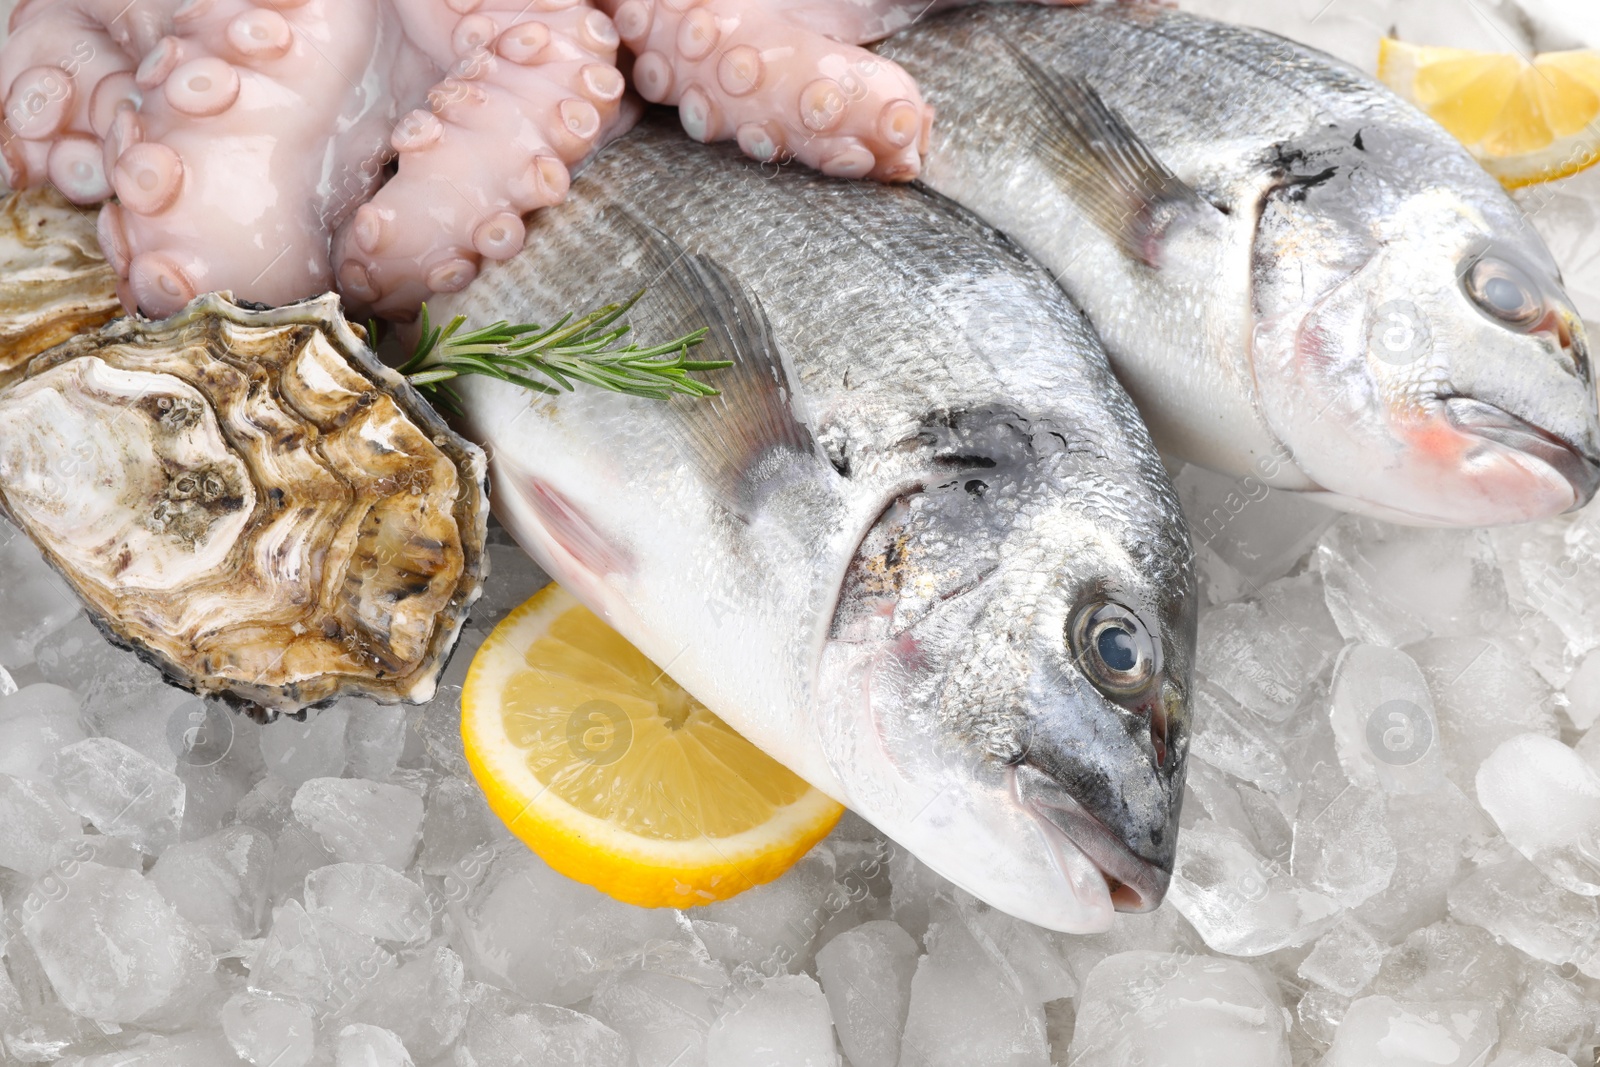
pixel 753 431
pixel 1102 164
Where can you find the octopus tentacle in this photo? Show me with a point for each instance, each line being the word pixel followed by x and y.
pixel 61 77
pixel 218 187
pixel 532 92
pixel 752 72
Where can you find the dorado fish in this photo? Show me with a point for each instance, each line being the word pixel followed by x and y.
pixel 1298 276
pixel 920 549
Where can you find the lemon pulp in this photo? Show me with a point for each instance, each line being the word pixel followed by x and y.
pixel 1525 120
pixel 618 777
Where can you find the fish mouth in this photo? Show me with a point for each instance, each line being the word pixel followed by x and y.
pixel 1581 471
pixel 1135 884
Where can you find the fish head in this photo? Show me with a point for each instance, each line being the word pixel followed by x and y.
pixel 1415 351
pixel 1022 664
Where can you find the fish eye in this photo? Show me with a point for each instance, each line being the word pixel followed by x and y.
pixel 1114 648
pixel 1504 292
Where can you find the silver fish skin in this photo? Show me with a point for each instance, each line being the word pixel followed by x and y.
pixel 921 549
pixel 1298 276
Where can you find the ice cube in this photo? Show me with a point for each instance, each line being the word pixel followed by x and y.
pixel 913 887
pixel 781 919
pixel 457 834
pixel 219 883
pixel 96 848
pixel 1583 692
pixel 34 600
pixel 1379 1029
pixel 1550 1011
pixel 297 752
pixel 503 1031
pixel 1512 900
pixel 1266 653
pixel 542 935
pixel 154 1050
pixel 782 1022
pixel 1383 721
pixel 1238 901
pixel 966 1009
pixel 122 792
pixel 513 579
pixel 1448 960
pixel 1539 1057
pixel 1344 959
pixel 32 820
pixel 1342 846
pixel 438 722
pixel 1546 800
pixel 1393 585
pixel 360 1045
pixel 361 821
pixel 374 738
pixel 296 852
pixel 866 973
pixel 36 722
pixel 216 772
pixel 370 899
pixel 1319 1012
pixel 113 948
pixel 1588 747
pixel 1484 693
pixel 308 957
pixel 1433 834
pixel 267 806
pixel 1161 1009
pixel 1246 534
pixel 422 1002
pixel 664 1003
pixel 1031 952
pixel 1548 573
pixel 111 682
pixel 270 1031
pixel 1162 930
pixel 1225 739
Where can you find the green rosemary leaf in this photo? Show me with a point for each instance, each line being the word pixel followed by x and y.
pixel 587 349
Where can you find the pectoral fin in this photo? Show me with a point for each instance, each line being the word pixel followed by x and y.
pixel 1100 162
pixel 751 438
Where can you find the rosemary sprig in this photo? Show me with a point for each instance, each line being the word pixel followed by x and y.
pixel 587 349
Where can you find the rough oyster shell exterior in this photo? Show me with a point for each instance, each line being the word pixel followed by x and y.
pixel 54 283
pixel 251 501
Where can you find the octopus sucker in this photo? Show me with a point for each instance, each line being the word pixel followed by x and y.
pixel 251 501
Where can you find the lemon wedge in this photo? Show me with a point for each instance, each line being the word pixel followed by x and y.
pixel 1526 121
pixel 615 775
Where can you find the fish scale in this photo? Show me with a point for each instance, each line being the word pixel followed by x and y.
pixel 870 553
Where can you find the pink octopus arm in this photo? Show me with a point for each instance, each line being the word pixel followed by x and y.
pixel 232 133
pixel 536 90
pixel 238 135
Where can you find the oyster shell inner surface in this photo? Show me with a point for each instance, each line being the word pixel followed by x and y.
pixel 250 500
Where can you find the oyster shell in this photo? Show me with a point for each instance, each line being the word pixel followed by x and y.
pixel 251 501
pixel 54 283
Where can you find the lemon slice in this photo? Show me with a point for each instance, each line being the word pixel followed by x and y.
pixel 615 775
pixel 1525 121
